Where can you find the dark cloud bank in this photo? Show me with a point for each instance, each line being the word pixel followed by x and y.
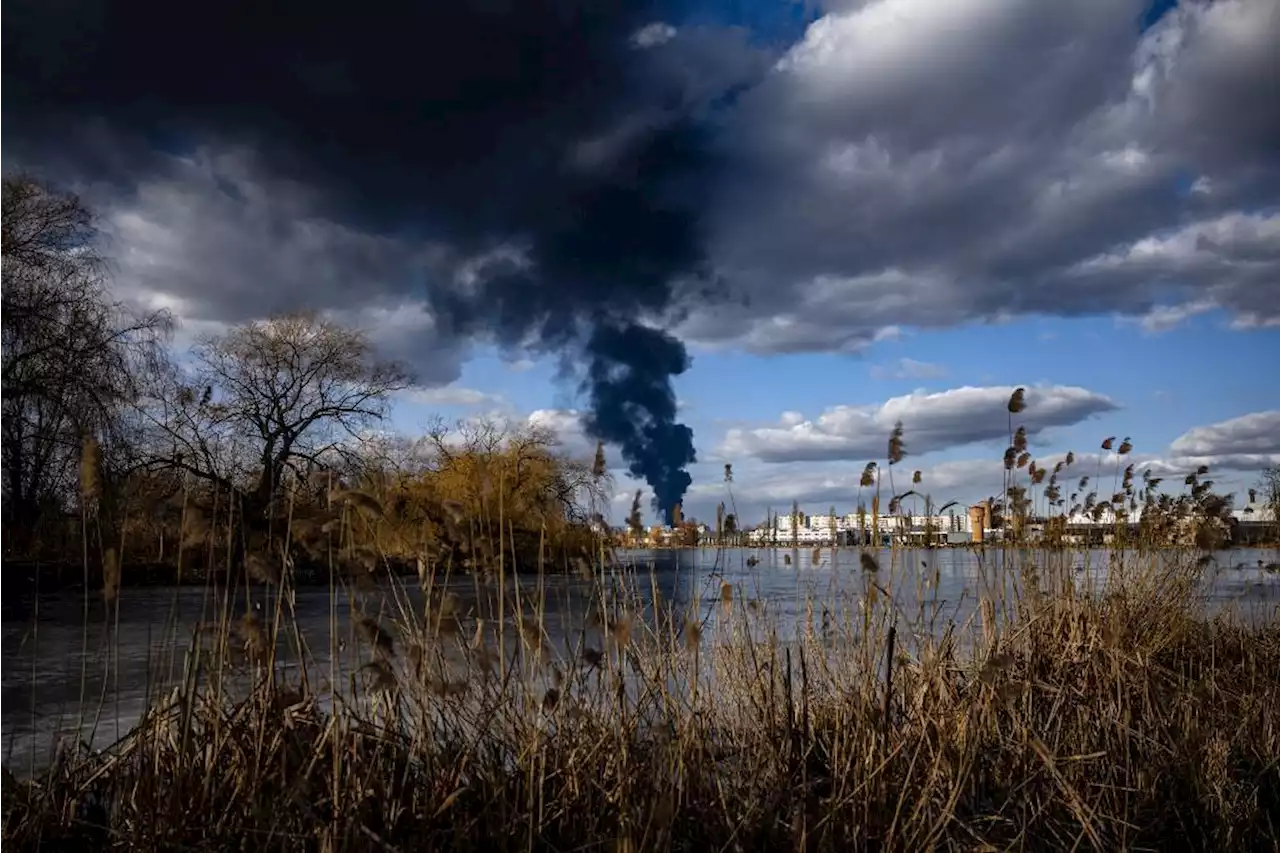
pixel 562 162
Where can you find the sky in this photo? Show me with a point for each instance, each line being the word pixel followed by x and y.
pixel 782 225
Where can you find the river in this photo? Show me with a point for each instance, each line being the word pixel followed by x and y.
pixel 55 662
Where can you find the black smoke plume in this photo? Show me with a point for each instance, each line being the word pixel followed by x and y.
pixel 633 406
pixel 534 134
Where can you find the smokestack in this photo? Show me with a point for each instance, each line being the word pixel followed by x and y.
pixel 978 522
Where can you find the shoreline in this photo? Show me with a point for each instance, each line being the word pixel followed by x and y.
pixel 25 577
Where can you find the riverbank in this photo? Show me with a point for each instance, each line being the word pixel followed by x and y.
pixel 1114 721
pixel 29 576
pixel 24 577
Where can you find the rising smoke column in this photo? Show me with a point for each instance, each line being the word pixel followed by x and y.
pixel 616 250
pixel 633 406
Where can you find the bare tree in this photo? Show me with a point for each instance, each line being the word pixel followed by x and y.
pixel 186 430
pixel 288 392
pixel 72 357
pixel 392 457
pixel 49 239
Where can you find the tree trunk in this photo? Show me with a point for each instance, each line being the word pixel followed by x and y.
pixel 266 483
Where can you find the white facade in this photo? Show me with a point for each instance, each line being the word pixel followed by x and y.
pixel 1107 516
pixel 1255 511
pixel 819 530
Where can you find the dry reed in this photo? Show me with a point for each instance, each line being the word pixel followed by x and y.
pixel 1112 722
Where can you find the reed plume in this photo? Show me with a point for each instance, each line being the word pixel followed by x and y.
pixel 1017 401
pixel 195 527
pixel 620 630
pixel 254 636
pixel 897 447
pixel 692 634
pixel 110 575
pixel 90 469
pixel 479 649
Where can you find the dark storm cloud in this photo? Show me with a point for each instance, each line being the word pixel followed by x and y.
pixel 460 117
pixel 561 161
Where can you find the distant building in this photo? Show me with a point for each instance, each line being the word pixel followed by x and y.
pixel 953 527
pixel 1255 511
pixel 820 529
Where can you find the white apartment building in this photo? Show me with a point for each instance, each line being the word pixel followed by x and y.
pixel 820 530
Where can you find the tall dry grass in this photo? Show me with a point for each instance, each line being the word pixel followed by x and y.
pixel 1074 721
pixel 1059 717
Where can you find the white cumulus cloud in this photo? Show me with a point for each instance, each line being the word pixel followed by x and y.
pixel 931 422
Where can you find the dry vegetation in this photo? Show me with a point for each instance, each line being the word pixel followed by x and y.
pixel 1062 717
pixel 122 467
pixel 1121 721
pixel 402 507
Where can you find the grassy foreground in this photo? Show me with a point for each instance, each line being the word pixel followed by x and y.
pixel 1110 721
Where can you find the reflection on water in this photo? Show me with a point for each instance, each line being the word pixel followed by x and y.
pixel 53 666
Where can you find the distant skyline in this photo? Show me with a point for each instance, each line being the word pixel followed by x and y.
pixel 848 213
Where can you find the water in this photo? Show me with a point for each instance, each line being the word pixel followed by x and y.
pixel 52 667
